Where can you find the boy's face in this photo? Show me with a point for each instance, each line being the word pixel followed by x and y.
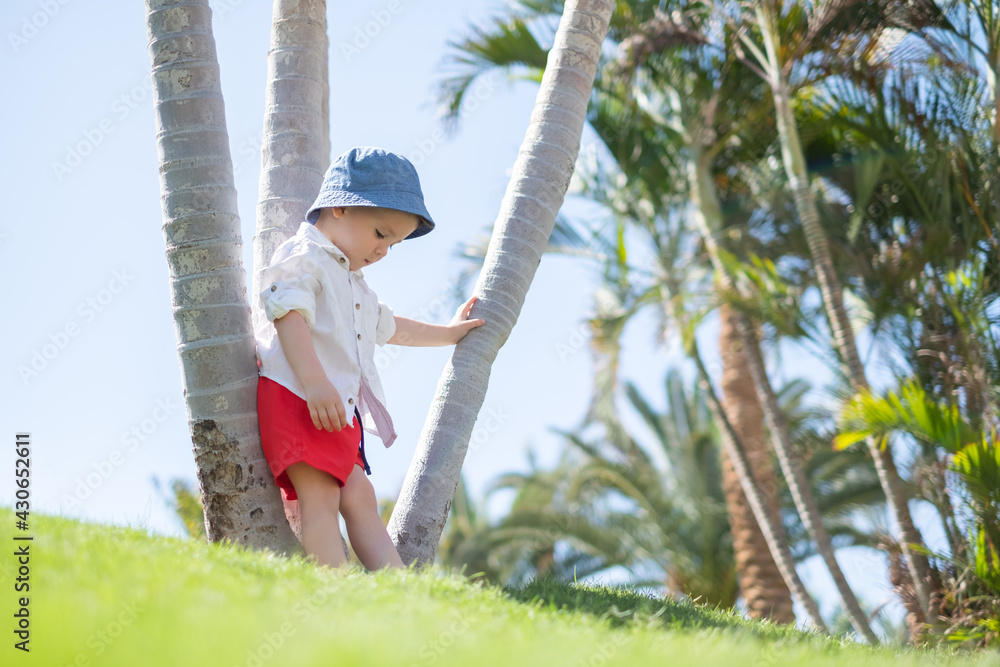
pixel 365 233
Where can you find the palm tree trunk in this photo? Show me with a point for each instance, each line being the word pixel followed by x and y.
pixel 708 215
pixel 736 453
pixel 201 227
pixel 538 185
pixel 295 149
pixel 770 528
pixel 798 485
pixel 765 592
pixel 843 336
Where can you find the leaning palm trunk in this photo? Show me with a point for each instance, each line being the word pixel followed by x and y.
pixel 527 214
pixel 295 150
pixel 843 337
pixel 709 216
pixel 766 594
pixel 207 281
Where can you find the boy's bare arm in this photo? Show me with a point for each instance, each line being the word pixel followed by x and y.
pixel 421 334
pixel 325 404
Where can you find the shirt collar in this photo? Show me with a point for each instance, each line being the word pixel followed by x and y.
pixel 309 230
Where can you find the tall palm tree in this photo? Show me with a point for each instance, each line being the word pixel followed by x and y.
pixel 528 211
pixel 778 37
pixel 705 125
pixel 207 281
pixel 703 143
pixel 700 124
pixel 295 150
pixel 707 112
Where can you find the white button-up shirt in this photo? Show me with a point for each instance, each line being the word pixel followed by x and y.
pixel 308 273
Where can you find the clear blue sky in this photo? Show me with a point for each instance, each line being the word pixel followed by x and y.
pixel 82 251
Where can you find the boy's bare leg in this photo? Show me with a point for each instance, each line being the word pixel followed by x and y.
pixel 319 500
pixel 365 529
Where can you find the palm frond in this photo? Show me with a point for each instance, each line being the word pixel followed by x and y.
pixel 507 45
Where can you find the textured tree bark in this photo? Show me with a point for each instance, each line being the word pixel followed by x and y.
pixel 295 149
pixel 761 583
pixel 207 281
pixel 527 214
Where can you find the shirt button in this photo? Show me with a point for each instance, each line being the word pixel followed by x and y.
pixel 342 260
pixel 357 306
pixel 351 401
pixel 359 336
pixel 274 287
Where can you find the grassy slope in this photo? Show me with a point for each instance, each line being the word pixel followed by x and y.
pixel 113 596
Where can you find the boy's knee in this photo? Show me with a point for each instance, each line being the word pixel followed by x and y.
pixel 358 495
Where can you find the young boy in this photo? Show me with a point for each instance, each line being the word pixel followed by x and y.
pixel 318 384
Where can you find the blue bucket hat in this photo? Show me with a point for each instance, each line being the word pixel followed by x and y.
pixel 369 176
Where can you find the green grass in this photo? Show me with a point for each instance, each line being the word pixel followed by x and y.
pixel 103 595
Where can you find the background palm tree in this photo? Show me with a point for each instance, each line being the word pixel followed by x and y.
pixel 782 40
pixel 761 584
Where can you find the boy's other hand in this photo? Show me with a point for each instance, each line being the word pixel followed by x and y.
pixel 326 408
pixel 461 324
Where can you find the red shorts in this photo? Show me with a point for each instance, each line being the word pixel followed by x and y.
pixel 287 435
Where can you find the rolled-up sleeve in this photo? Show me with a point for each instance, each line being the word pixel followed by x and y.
pixel 290 283
pixel 386 326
